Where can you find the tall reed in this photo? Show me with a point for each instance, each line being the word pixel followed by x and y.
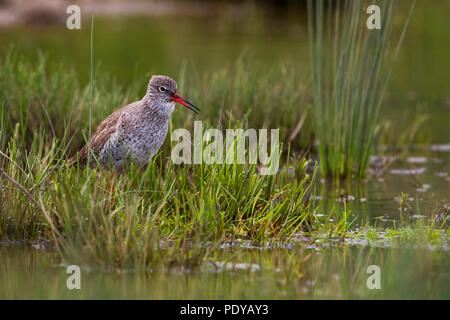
pixel 351 66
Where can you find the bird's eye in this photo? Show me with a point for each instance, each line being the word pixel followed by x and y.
pixel 162 89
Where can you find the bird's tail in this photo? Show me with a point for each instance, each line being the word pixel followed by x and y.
pixel 72 161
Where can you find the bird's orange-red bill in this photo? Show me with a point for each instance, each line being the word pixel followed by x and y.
pixel 184 102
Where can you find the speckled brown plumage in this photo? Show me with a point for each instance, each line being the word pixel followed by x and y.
pixel 134 132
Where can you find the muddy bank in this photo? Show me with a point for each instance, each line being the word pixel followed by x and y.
pixel 48 12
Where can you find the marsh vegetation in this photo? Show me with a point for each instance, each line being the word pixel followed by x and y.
pixel 355 187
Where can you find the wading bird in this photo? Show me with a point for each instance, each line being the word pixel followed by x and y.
pixel 135 132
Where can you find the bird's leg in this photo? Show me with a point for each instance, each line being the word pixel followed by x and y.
pixel 135 177
pixel 111 188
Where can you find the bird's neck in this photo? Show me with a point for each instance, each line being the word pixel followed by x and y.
pixel 157 108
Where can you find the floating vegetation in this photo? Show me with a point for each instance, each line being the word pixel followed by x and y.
pixel 415 171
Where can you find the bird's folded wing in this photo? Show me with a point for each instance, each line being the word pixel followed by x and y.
pixel 100 137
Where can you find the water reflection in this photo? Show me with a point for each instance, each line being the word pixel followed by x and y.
pixel 423 176
pixel 232 273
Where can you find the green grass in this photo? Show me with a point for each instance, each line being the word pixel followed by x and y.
pixel 76 208
pixel 351 66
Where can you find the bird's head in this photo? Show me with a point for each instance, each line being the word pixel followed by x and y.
pixel 164 89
